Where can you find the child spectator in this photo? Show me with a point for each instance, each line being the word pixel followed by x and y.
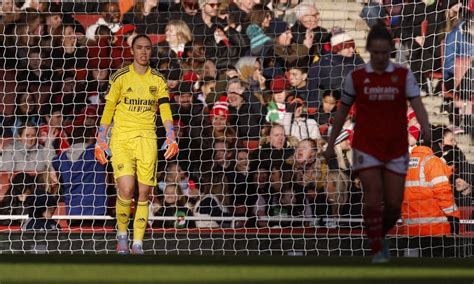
pixel 276 109
pixel 175 175
pixel 172 203
pixel 297 77
pixel 327 109
pixel 299 124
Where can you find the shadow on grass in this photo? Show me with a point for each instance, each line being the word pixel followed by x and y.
pixel 306 261
pixel 322 280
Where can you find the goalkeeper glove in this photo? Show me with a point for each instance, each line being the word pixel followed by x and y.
pixel 170 144
pixel 102 151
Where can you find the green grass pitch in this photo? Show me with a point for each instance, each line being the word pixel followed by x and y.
pixel 83 269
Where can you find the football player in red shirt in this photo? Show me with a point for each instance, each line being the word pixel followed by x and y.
pixel 380 90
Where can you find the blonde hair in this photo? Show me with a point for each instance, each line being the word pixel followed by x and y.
pixel 246 67
pixel 338 194
pixel 182 30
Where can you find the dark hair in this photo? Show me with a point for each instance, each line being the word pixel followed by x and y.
pixel 23 183
pixel 258 14
pixel 26 125
pixel 304 69
pixel 379 32
pixel 333 93
pixel 140 36
pixel 103 30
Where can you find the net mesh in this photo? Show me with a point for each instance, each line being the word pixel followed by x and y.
pixel 254 86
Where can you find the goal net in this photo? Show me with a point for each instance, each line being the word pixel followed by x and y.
pixel 254 86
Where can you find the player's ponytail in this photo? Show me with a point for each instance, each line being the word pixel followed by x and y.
pixel 379 32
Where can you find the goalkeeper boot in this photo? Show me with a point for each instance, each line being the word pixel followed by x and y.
pixel 137 249
pixel 122 244
pixel 383 256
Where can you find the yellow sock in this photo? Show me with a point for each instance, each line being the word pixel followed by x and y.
pixel 122 209
pixel 141 219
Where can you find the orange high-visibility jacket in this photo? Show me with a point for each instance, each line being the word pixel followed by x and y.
pixel 428 198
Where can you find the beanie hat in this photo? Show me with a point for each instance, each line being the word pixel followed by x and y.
pixel 277 27
pixel 221 107
pixel 340 41
pixel 278 84
pixel 257 36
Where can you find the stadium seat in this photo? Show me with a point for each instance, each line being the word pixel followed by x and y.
pixel 4 183
pixel 157 38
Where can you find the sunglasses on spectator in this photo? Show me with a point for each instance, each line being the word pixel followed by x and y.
pixel 214 5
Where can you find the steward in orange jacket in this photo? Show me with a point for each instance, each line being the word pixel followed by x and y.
pixel 428 207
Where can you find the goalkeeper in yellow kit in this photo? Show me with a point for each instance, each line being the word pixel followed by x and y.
pixel 134 93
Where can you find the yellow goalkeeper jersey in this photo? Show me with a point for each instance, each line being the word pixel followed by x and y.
pixel 132 102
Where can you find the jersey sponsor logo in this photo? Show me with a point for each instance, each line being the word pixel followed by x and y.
pixel 381 93
pixel 394 79
pixel 413 163
pixel 129 90
pixel 153 90
pixel 366 81
pixel 139 105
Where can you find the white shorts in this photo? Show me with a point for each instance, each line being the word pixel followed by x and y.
pixel 364 161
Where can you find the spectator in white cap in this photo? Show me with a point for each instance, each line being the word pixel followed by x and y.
pixel 330 71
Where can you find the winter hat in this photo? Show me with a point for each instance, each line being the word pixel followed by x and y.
pixel 279 84
pixel 340 41
pixel 221 107
pixel 345 134
pixel 257 36
pixel 277 27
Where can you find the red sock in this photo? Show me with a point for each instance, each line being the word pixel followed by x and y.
pixel 373 218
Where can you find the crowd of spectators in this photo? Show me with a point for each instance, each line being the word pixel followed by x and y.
pixel 253 86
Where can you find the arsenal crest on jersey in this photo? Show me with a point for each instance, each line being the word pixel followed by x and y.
pixel 153 90
pixel 394 79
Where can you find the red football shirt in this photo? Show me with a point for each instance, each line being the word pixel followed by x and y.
pixel 381 104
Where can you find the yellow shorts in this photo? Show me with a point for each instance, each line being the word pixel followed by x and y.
pixel 135 157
